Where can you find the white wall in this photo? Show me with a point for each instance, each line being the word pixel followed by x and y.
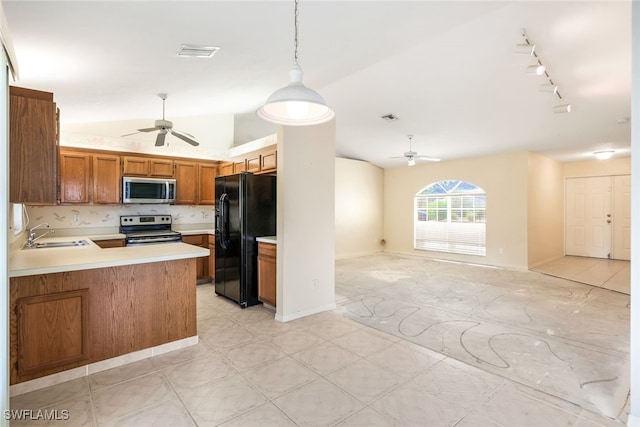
pixel 306 226
pixel 359 208
pixel 634 416
pixel 504 179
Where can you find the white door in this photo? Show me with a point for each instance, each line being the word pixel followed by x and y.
pixel 621 217
pixel 588 217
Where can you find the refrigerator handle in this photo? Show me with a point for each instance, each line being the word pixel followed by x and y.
pixel 224 220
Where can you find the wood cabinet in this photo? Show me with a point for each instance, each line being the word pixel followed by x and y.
pixel 186 182
pixel 110 243
pixel 225 169
pixel 267 273
pixel 239 166
pixel 207 183
pixel 33 141
pixel 259 161
pixel 212 257
pixel 269 161
pixel 87 177
pixel 52 331
pixel 147 166
pixel 202 263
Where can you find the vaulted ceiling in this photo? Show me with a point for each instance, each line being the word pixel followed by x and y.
pixel 446 69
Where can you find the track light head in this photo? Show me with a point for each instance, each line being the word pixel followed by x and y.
pixel 525 49
pixel 536 70
pixel 549 87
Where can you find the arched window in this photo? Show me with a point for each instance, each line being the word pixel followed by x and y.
pixel 450 216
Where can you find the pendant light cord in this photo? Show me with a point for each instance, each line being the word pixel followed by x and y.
pixel 295 38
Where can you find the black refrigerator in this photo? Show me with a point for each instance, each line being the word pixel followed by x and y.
pixel 245 209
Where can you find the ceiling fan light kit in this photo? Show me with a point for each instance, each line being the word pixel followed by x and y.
pixel 604 154
pixel 165 126
pixel 411 155
pixel 295 104
pixel 540 69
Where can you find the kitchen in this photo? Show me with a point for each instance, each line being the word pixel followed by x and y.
pixel 302 229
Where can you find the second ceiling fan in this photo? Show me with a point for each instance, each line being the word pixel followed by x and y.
pixel 165 126
pixel 411 155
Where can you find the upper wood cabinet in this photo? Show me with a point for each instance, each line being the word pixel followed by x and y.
pixel 186 182
pixel 207 183
pixel 225 169
pixel 147 166
pixel 259 161
pixel 33 140
pixel 87 177
pixel 269 161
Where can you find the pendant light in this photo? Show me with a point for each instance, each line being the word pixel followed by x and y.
pixel 295 104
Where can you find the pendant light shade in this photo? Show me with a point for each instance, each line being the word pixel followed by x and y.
pixel 295 104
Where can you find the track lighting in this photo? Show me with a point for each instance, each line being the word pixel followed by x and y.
pixel 536 70
pixel 604 155
pixel 549 87
pixel 525 49
pixel 564 108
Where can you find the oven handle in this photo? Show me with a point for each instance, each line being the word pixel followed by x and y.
pixel 224 221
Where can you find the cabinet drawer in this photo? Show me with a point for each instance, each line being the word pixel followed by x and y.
pixel 266 250
pixel 197 240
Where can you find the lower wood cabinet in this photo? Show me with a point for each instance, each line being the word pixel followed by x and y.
pixel 267 273
pixel 212 257
pixel 110 243
pixel 202 263
pixel 52 331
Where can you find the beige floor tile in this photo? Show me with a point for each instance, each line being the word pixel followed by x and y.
pixel 267 328
pixel 295 341
pixel 510 407
pixel 226 337
pixel 132 396
pixel 363 342
pixel 410 405
pixel 266 415
pixel 198 372
pixel 319 403
pixel 365 380
pixel 166 414
pixel 457 382
pixel 76 412
pixel 406 359
pixel 325 357
pixel 180 356
pixel 280 376
pixel 51 395
pixel 252 354
pixel 121 373
pixel 213 404
pixel 367 417
pixel 475 420
pixel 334 328
pixel 252 314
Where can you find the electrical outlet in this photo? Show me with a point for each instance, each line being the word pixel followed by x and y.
pixel 76 217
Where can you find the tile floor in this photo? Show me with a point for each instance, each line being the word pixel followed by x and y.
pixel 322 370
pixel 605 273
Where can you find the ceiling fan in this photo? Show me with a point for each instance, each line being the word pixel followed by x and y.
pixel 411 155
pixel 164 127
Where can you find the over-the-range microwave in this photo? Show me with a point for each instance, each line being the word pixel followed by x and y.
pixel 148 190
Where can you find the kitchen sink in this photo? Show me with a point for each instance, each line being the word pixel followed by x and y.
pixel 65 244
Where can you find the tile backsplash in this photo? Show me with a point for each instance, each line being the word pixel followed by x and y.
pixel 92 216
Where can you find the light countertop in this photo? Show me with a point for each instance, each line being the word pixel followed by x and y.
pixel 268 239
pixel 27 262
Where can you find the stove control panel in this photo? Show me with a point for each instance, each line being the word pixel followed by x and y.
pixel 129 220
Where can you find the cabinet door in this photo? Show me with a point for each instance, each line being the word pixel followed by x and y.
pixel 240 166
pixel 106 179
pixel 202 263
pixel 206 179
pixel 226 169
pixel 135 166
pixel 253 163
pixel 52 330
pixel 186 183
pixel 269 162
pixel 267 273
pixel 75 175
pixel 33 157
pixel 161 168
pixel 110 243
pixel 212 257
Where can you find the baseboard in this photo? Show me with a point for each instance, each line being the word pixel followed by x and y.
pixel 103 365
pixel 300 314
pixel 357 254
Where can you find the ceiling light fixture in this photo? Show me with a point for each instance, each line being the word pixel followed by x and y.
pixel 540 69
pixel 411 162
pixel 564 108
pixel 197 51
pixel 525 49
pixel 295 104
pixel 604 154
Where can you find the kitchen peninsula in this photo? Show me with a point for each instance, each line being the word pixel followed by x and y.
pixel 72 308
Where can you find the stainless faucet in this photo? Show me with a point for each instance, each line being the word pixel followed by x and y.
pixel 32 234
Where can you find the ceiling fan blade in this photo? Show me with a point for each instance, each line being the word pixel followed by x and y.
pixel 147 129
pixel 160 139
pixel 129 134
pixel 427 158
pixel 398 157
pixel 184 137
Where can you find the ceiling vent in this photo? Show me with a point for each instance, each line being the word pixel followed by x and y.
pixel 196 51
pixel 390 118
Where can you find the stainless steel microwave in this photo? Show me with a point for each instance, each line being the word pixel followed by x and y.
pixel 148 190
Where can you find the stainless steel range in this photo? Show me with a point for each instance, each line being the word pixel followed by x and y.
pixel 146 229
